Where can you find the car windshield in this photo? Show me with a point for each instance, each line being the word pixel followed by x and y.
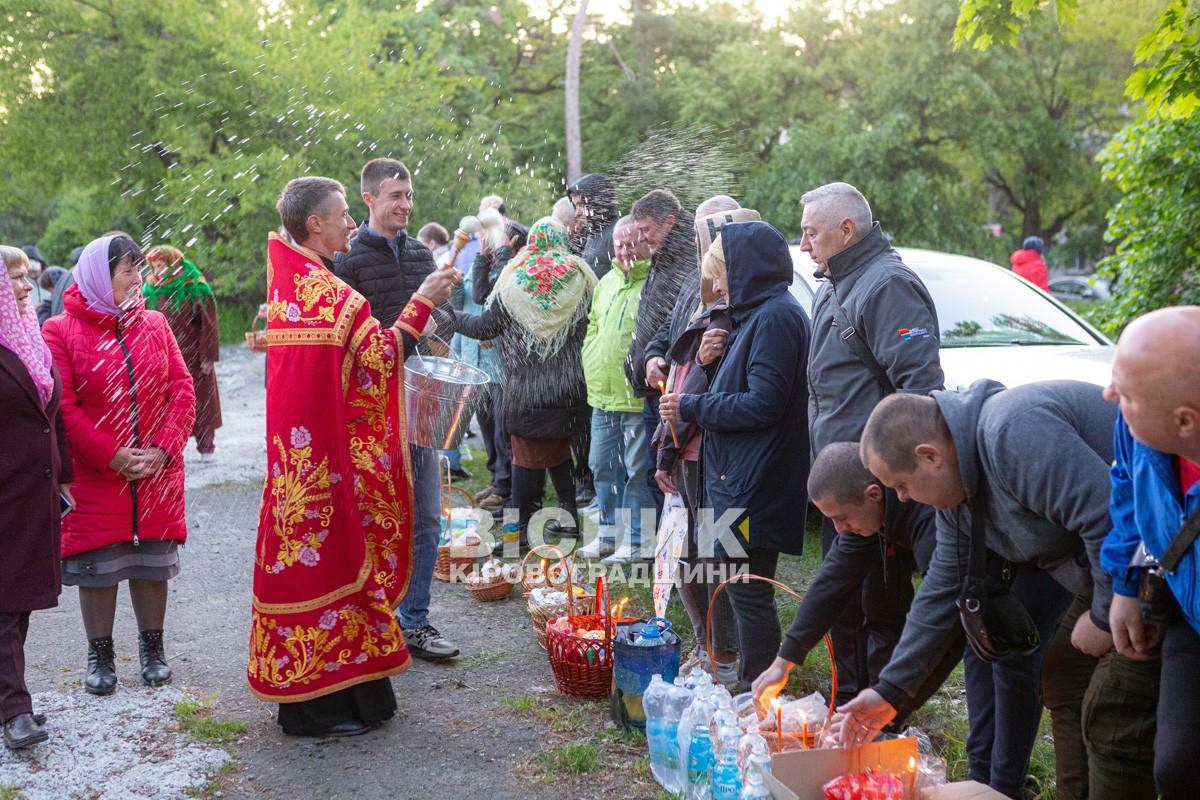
pixel 978 307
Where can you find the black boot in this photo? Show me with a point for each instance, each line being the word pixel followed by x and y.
pixel 102 667
pixel 155 671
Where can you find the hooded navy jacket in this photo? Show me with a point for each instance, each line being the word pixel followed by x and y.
pixel 754 415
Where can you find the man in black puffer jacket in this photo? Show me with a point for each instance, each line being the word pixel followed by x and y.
pixel 387 266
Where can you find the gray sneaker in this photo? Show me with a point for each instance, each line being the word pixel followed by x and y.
pixel 427 643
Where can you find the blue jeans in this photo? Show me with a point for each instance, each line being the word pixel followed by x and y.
pixel 618 462
pixel 413 611
pixel 1004 701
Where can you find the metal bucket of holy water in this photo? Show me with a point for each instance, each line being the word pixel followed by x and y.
pixel 440 395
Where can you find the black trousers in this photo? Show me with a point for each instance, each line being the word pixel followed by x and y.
pixel 529 486
pixel 14 696
pixel 758 629
pixel 866 634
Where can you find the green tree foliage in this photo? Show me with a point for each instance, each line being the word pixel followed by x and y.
pixel 180 120
pixel 1169 84
pixel 1157 165
pixel 942 141
pixel 1152 162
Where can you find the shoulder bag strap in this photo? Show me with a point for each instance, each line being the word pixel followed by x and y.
pixel 977 552
pixel 854 340
pixel 1181 543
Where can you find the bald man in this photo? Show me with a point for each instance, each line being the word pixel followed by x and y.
pixel 1156 514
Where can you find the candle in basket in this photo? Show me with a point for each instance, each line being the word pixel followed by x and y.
pixel 777 708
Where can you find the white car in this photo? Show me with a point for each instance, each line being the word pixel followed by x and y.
pixel 993 323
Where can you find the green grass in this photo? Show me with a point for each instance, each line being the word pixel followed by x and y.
pixel 11 793
pixel 196 720
pixel 521 704
pixel 474 660
pixel 214 785
pixel 569 759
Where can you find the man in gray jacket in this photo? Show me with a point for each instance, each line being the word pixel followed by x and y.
pixel 1040 456
pixel 875 332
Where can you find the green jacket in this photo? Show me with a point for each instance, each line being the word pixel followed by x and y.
pixel 609 334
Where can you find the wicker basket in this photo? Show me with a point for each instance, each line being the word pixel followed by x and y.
pixel 256 339
pixel 558 576
pixel 455 562
pixel 488 591
pixel 489 588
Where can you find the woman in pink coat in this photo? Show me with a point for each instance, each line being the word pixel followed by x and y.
pixel 128 405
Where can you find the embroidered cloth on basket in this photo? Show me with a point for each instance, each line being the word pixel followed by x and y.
pixel 334 550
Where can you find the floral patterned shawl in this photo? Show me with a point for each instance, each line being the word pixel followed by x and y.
pixel 545 288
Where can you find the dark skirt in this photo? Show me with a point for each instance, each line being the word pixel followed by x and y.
pixel 369 703
pixel 539 453
pixel 150 560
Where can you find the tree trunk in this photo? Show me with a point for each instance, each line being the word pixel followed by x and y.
pixel 574 146
pixel 1031 224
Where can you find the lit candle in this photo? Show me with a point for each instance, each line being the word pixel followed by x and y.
pixel 912 777
pixel 778 723
pixel 804 728
pixel 662 387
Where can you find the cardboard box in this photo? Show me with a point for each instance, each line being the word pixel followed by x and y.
pixel 801 774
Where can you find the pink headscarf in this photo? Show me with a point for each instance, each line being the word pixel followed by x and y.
pixel 21 334
pixel 94 279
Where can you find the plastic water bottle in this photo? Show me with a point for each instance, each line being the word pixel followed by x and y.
pixel 753 787
pixel 664 704
pixel 726 779
pixel 700 749
pixel 750 747
pixel 697 678
pixel 652 632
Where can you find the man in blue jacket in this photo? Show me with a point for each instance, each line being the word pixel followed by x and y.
pixel 1155 493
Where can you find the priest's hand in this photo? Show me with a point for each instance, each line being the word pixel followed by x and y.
pixel 438 285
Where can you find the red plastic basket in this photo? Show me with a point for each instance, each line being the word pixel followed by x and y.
pixel 583 667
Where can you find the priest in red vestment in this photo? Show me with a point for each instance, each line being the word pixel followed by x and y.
pixel 334 545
